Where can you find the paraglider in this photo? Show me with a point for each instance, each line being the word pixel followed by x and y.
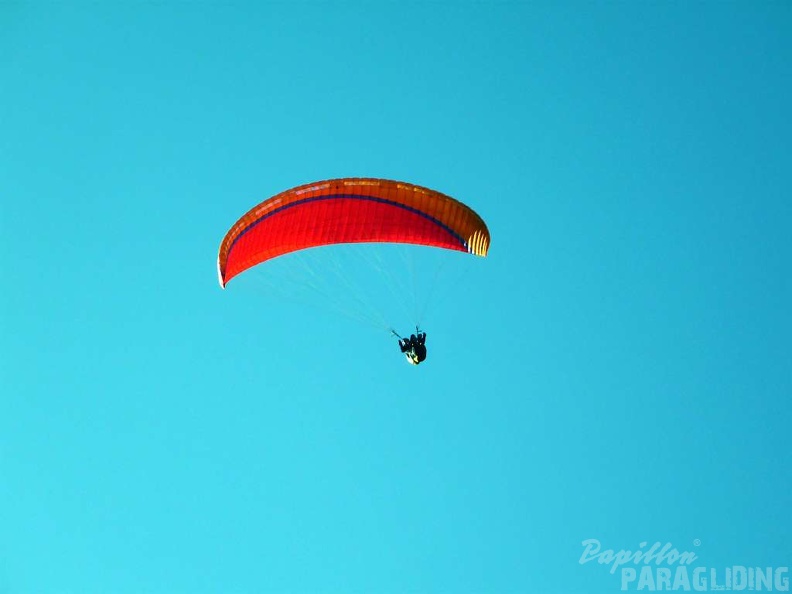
pixel 346 211
pixel 414 348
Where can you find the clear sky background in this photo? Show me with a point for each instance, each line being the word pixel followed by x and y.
pixel 619 368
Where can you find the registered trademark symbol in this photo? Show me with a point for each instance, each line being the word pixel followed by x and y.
pixel 696 542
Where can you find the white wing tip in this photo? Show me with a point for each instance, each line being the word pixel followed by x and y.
pixel 220 274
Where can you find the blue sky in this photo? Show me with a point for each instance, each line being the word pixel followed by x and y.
pixel 619 367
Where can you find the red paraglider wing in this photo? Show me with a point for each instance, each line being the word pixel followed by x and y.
pixel 350 210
